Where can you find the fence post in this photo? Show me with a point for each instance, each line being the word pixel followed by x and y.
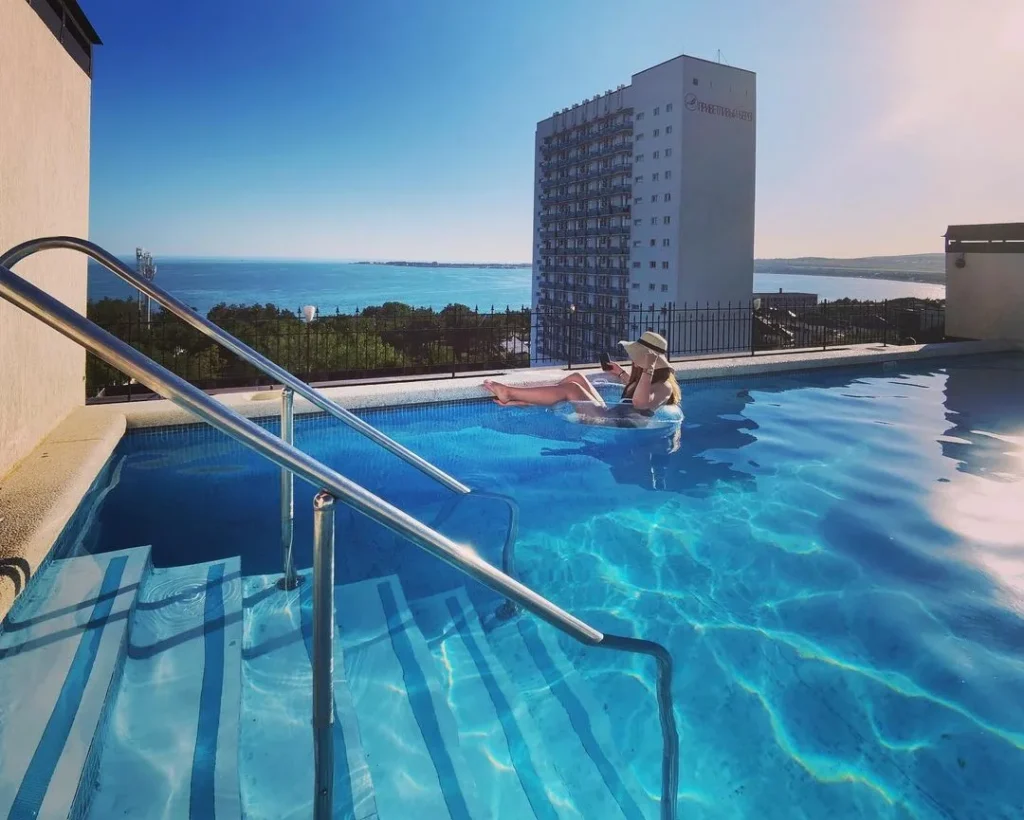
pixel 668 332
pixel 572 328
pixel 753 328
pixel 824 325
pixel 885 323
pixel 455 313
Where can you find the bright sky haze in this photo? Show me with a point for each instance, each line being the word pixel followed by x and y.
pixel 403 129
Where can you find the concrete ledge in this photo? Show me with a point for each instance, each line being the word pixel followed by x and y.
pixel 264 403
pixel 39 496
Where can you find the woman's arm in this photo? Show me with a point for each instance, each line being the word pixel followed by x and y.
pixel 620 373
pixel 650 396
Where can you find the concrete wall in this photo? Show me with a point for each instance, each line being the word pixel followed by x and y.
pixel 985 298
pixel 44 189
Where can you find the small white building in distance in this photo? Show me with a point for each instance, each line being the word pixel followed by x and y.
pixel 985 281
pixel 644 210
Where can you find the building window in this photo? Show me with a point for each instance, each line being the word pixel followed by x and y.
pixel 637 200
pixel 657 132
pixel 668 197
pixel 654 177
pixel 654 220
pixel 636 223
pixel 636 243
pixel 666 220
pixel 664 265
pixel 636 264
pixel 653 265
pixel 657 111
pixel 669 107
pixel 639 179
pixel 652 242
pixel 657 154
pixel 639 158
pixel 668 175
pixel 654 197
pixel 668 129
pixel 664 243
pixel 650 286
pixel 664 288
pixel 639 136
pixel 668 152
pixel 640 116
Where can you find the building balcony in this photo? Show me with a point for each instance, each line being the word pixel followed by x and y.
pixel 592 133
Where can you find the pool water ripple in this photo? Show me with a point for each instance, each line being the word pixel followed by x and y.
pixel 835 560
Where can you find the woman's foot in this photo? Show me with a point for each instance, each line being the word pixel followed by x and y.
pixel 500 391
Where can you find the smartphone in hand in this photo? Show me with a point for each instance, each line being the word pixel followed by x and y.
pixel 606 362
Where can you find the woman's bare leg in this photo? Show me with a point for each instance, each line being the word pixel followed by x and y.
pixel 583 382
pixel 540 396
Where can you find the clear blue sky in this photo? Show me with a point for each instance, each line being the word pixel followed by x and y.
pixel 404 128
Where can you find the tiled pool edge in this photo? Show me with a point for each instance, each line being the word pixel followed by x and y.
pixel 263 403
pixel 41 494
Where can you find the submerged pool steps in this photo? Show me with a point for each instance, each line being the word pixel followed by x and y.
pixel 186 692
pixel 171 743
pixel 61 652
pixel 276 755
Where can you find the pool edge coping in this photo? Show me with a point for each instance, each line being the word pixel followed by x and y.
pixel 42 493
pixel 263 402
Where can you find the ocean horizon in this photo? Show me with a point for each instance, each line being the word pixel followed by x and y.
pixel 349 286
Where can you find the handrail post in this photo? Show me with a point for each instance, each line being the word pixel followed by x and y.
pixel 289 579
pixel 323 655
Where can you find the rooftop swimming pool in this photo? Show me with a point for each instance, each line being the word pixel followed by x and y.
pixel 835 560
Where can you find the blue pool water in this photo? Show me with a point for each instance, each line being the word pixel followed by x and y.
pixel 835 560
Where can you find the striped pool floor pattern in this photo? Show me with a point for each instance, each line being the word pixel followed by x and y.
pixel 129 691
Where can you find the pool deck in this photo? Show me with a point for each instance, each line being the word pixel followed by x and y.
pixel 429 390
pixel 39 496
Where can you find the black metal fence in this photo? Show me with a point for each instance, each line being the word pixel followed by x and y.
pixel 395 340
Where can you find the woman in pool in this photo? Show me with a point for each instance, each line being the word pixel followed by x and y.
pixel 649 384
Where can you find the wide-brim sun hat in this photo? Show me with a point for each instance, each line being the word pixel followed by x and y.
pixel 649 342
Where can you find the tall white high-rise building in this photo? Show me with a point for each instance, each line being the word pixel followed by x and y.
pixel 644 211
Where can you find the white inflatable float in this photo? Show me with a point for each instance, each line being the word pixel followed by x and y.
pixel 621 416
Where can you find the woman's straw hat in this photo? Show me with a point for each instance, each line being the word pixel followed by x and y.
pixel 649 342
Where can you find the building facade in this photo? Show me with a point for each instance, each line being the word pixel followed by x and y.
pixel 45 87
pixel 644 208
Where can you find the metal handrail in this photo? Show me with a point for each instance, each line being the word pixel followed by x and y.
pixel 236 346
pixel 132 362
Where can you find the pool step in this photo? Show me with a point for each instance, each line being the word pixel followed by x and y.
pixel 409 733
pixel 502 745
pixel 276 755
pixel 171 745
pixel 61 653
pixel 575 726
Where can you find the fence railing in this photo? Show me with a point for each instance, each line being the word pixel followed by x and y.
pixel 395 340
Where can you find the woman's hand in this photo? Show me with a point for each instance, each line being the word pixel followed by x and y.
pixel 648 359
pixel 618 372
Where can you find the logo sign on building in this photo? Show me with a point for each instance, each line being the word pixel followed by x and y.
pixel 693 104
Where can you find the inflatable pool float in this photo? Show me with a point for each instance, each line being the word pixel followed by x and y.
pixel 619 417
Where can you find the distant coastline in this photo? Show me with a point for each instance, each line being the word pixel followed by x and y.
pixel 488 265
pixel 924 268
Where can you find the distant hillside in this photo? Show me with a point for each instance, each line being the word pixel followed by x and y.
pixel 919 267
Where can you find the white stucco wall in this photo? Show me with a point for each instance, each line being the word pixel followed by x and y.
pixel 44 189
pixel 985 298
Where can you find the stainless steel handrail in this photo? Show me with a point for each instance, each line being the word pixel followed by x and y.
pixel 236 346
pixel 132 362
pixel 158 378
